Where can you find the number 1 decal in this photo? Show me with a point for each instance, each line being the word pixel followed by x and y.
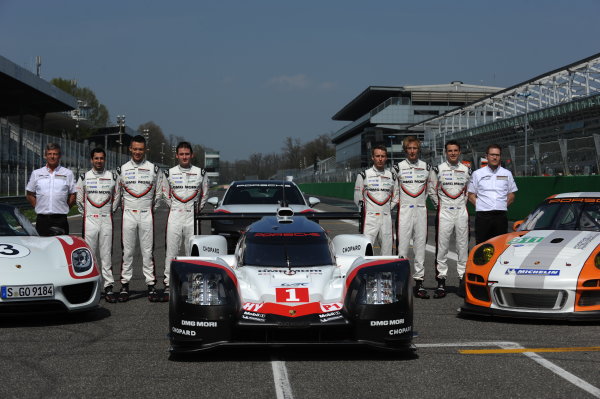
pixel 291 294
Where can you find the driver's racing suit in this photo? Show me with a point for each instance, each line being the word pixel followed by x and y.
pixel 448 191
pixel 138 184
pixel 184 191
pixel 413 179
pixel 379 194
pixel 97 199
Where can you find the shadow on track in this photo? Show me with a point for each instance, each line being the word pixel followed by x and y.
pixel 312 353
pixel 39 319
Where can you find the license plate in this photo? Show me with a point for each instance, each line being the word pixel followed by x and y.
pixel 26 291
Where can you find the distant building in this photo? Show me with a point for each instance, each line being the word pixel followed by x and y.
pixel 383 115
pixel 211 165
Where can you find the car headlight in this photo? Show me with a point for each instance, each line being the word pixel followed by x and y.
pixel 82 260
pixel 205 289
pixel 379 288
pixel 483 254
pixel 597 260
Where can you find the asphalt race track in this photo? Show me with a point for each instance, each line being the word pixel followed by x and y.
pixel 122 350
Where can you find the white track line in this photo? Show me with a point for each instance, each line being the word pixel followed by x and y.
pixel 573 379
pixel 283 389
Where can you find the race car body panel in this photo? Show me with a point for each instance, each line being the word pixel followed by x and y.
pixel 40 274
pixel 542 273
pixel 285 286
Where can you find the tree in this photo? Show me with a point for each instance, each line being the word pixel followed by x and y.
pixel 317 149
pixel 158 147
pixel 291 153
pixel 92 110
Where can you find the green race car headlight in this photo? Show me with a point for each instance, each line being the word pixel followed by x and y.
pixel 483 254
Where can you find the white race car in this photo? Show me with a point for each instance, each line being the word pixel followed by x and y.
pixel 44 273
pixel 548 268
pixel 289 283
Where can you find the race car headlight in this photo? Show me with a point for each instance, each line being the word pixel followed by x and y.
pixel 82 260
pixel 379 288
pixel 205 289
pixel 483 254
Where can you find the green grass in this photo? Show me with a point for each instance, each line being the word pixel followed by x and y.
pixel 30 214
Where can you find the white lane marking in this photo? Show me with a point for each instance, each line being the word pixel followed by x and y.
pixel 428 247
pixel 283 389
pixel 573 379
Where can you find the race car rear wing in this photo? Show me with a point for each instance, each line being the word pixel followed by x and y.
pixel 257 216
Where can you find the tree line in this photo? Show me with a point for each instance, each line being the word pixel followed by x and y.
pixel 293 155
pixel 161 149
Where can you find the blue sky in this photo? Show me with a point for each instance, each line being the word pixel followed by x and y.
pixel 240 76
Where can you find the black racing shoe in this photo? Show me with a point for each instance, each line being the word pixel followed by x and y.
pixel 420 292
pixel 461 288
pixel 440 291
pixel 109 295
pixel 165 295
pixel 153 295
pixel 124 293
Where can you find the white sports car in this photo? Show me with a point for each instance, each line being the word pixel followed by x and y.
pixel 289 283
pixel 44 273
pixel 255 197
pixel 548 268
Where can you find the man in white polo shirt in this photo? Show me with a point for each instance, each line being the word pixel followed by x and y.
pixel 491 190
pixel 51 191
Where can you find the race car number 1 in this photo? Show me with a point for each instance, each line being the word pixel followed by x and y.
pixel 291 294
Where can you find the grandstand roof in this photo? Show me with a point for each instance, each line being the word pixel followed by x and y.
pixel 372 96
pixel 25 93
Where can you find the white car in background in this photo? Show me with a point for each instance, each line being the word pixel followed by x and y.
pixel 249 197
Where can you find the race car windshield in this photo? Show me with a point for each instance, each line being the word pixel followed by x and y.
pixel 262 193
pixel 12 223
pixel 573 214
pixel 287 250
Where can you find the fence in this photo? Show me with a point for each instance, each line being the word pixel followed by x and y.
pixel 22 151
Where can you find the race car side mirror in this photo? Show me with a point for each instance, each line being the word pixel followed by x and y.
pixel 214 201
pixel 517 224
pixel 312 201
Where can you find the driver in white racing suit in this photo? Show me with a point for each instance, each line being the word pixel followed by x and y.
pixel 448 191
pixel 376 189
pixel 185 190
pixel 413 178
pixel 97 199
pixel 138 181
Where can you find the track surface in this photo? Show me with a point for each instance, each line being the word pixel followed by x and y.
pixel 122 349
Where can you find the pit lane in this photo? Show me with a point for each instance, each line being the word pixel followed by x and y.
pixel 121 349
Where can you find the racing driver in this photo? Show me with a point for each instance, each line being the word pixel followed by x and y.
pixel 184 190
pixel 138 180
pixel 97 199
pixel 413 178
pixel 448 191
pixel 376 189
